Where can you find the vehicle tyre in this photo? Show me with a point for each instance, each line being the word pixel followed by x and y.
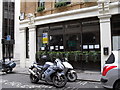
pixel 33 78
pixel 117 85
pixel 9 70
pixel 72 76
pixel 59 82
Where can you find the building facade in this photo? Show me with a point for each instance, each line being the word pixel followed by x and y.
pixel 9 29
pixel 69 26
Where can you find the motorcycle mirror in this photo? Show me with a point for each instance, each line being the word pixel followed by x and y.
pixel 44 56
pixel 66 59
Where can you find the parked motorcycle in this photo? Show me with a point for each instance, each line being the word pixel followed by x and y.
pixel 68 68
pixel 7 66
pixel 49 73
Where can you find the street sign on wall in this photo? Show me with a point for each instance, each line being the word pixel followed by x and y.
pixel 8 38
pixel 45 38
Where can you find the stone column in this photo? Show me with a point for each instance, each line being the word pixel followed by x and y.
pixel 16 31
pixel 105 34
pixel 32 44
pixel 22 47
pixel 105 29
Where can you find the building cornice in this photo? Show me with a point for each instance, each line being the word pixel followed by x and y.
pixel 68 15
pixel 82 10
pixel 57 15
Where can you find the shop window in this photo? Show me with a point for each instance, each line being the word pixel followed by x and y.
pixel 90 35
pixel 40 45
pixel 56 30
pixel 56 43
pixel 56 37
pixel 73 27
pixel 72 36
pixel 78 35
pixel 73 42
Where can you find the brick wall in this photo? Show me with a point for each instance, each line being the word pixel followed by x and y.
pixel 31 7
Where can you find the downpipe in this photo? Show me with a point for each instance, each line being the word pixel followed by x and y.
pixel 33 73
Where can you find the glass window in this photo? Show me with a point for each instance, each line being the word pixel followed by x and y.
pixel 68 1
pixel 111 59
pixel 41 3
pixel 56 43
pixel 40 31
pixel 73 27
pixel 115 32
pixel 8 27
pixel 56 29
pixel 73 42
pixel 56 37
pixel 91 35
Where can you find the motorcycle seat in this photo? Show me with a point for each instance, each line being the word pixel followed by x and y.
pixel 40 66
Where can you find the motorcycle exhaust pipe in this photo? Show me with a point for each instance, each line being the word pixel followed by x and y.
pixel 32 72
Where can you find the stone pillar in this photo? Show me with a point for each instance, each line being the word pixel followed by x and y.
pixel 22 47
pixel 32 44
pixel 16 31
pixel 105 29
pixel 105 34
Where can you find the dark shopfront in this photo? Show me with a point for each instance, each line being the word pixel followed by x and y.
pixel 81 36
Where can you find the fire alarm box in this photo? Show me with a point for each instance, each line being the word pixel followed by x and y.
pixel 106 50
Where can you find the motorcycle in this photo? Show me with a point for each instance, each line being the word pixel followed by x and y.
pixel 49 73
pixel 69 72
pixel 68 68
pixel 7 66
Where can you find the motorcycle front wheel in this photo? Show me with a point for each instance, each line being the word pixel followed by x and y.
pixel 33 78
pixel 9 70
pixel 59 81
pixel 71 76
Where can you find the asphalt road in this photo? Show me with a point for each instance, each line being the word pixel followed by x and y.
pixel 15 80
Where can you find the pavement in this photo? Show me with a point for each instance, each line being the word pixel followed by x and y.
pixel 81 75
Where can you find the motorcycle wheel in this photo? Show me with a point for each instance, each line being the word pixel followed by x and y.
pixel 9 70
pixel 72 76
pixel 59 82
pixel 33 78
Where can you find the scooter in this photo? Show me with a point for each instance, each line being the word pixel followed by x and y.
pixel 69 72
pixel 7 66
pixel 49 73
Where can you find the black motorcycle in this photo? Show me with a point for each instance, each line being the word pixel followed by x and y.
pixel 49 73
pixel 7 66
